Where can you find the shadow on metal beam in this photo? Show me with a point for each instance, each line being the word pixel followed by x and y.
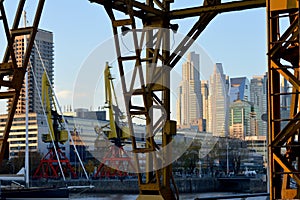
pixel 233 196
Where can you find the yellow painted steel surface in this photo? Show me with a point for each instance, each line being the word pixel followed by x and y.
pixel 283 4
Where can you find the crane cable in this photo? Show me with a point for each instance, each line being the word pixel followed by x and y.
pixel 30 67
pixel 59 109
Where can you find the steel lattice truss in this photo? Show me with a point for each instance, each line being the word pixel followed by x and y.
pixel 284 87
pixel 154 79
pixel 151 69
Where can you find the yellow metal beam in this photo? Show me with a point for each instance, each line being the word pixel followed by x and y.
pixel 283 44
pixel 224 7
pixel 284 5
pixel 289 35
pixel 287 131
pixel 286 74
pixel 141 11
pixel 287 167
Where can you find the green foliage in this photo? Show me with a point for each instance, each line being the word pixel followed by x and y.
pixel 90 167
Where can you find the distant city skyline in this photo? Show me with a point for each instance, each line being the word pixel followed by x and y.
pixel 231 106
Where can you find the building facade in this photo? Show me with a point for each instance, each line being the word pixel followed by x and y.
pixel 239 119
pixel 218 103
pixel 239 89
pixel 205 93
pixel 258 96
pixel 259 144
pixel 36 126
pixel 189 101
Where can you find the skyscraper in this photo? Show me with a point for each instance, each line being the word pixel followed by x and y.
pixel 239 89
pixel 189 102
pixel 41 56
pixel 205 93
pixel 258 96
pixel 218 102
pixel 239 119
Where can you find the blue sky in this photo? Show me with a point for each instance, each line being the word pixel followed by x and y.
pixel 237 39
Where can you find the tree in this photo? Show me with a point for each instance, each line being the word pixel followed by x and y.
pixel 89 167
pixel 15 164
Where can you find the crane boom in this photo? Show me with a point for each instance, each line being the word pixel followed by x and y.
pixel 118 132
pixel 115 157
pixel 57 131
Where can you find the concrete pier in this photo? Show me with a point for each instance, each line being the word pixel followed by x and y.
pixel 185 185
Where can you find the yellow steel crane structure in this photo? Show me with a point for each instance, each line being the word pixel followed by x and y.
pixel 57 133
pixel 150 62
pixel 118 132
pixel 283 44
pixel 283 67
pixel 50 164
pixel 115 158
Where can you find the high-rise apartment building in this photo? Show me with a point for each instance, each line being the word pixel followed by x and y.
pixel 41 57
pixel 218 102
pixel 189 101
pixel 258 96
pixel 239 89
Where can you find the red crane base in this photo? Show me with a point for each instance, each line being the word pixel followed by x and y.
pixel 49 166
pixel 112 164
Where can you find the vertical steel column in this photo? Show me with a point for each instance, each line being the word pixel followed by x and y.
pixel 283 65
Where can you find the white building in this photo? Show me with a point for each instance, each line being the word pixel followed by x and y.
pixel 205 93
pixel 218 103
pixel 189 102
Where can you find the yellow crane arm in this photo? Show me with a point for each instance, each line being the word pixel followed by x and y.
pixel 108 100
pixel 57 132
pixel 114 112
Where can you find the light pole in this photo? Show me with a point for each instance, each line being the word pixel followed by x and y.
pixel 200 169
pixel 227 160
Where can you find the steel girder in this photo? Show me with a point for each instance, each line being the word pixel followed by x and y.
pixel 283 67
pixel 12 75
